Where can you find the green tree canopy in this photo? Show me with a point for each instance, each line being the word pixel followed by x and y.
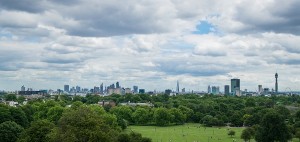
pixel 10 131
pixel 37 132
pixel 272 128
pixel 83 124
pixel 162 117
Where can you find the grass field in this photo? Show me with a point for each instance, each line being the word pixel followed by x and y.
pixel 188 133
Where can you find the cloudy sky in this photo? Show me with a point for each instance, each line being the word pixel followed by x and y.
pixel 45 44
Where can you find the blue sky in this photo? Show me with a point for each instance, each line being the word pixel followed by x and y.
pixel 151 44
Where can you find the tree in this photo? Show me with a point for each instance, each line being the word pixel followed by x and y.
pixel 37 132
pixel 4 113
pixel 10 97
pixel 19 116
pixel 297 135
pixel 81 125
pixel 231 133
pixel 272 128
pixel 162 117
pixel 247 134
pixel 55 113
pixel 178 116
pixel 10 131
pixel 141 116
pixel 123 113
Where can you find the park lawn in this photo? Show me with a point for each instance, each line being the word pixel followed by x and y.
pixel 191 132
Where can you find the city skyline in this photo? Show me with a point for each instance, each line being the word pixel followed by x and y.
pixel 151 44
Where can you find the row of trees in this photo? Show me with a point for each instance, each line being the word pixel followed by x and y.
pixel 50 121
pixel 257 113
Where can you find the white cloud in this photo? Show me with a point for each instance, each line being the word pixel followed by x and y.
pixel 148 43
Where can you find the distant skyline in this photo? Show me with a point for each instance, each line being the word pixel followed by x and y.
pixel 151 44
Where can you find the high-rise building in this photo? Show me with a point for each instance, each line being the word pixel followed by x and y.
pixel 142 91
pixel 23 88
pixel 135 89
pixel 177 87
pixel 235 86
pixel 215 90
pixel 226 90
pixel 260 89
pixel 276 83
pixel 183 90
pixel 118 85
pixel 66 88
pixel 77 88
pixel 96 89
pixel 101 89
pixel 168 91
pixel 208 89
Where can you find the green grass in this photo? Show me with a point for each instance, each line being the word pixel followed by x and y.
pixel 191 132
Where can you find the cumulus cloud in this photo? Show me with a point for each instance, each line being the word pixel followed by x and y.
pixel 146 43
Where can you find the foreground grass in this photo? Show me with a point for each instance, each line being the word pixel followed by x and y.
pixel 191 132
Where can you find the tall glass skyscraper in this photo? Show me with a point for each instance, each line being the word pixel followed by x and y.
pixel 235 86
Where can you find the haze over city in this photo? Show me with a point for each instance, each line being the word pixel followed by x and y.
pixel 152 44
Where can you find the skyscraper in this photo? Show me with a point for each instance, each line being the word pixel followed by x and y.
pixel 215 90
pixel 66 88
pixel 23 88
pixel 235 86
pixel 276 83
pixel 101 89
pixel 260 89
pixel 135 89
pixel 208 89
pixel 117 85
pixel 78 89
pixel 177 87
pixel 226 90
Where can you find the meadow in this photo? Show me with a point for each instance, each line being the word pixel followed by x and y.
pixel 190 132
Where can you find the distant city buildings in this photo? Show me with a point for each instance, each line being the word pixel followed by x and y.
pixel 215 90
pixel 276 83
pixel 226 90
pixel 135 89
pixel 23 88
pixel 177 87
pixel 235 87
pixel 260 89
pixel 168 91
pixel 142 91
pixel 208 89
pixel 66 88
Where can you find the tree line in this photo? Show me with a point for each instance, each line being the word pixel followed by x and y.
pixel 60 113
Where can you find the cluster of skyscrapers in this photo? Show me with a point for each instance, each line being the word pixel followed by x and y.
pixel 107 90
pixel 235 88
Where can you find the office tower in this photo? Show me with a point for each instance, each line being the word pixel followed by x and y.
pixel 260 89
pixel 96 89
pixel 208 89
pixel 66 88
pixel 135 89
pixel 183 90
pixel 215 90
pixel 276 83
pixel 77 89
pixel 235 86
pixel 128 91
pixel 101 88
pixel 177 87
pixel 23 88
pixel 117 85
pixel 142 91
pixel 226 90
pixel 168 91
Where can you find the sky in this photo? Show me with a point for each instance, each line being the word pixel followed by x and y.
pixel 45 44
